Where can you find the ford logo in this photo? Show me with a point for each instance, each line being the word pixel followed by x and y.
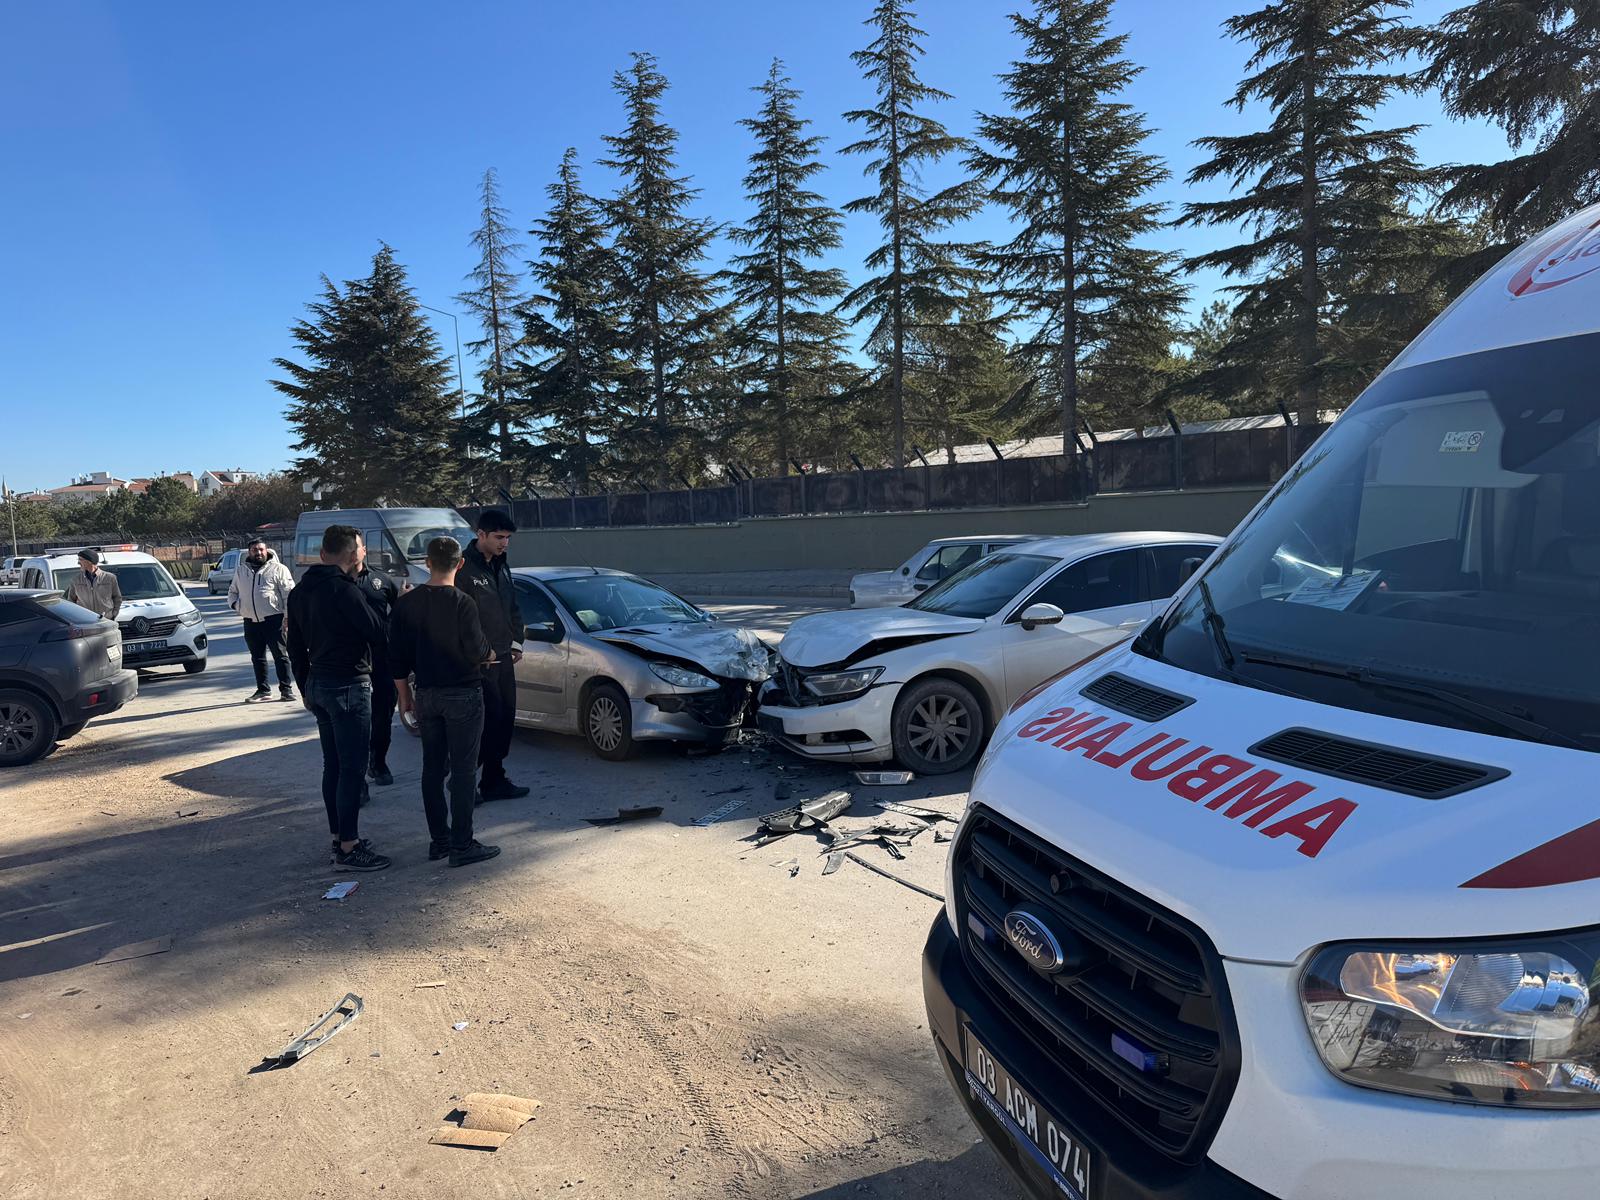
pixel 1039 947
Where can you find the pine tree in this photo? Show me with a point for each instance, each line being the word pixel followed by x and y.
pixel 963 378
pixel 917 277
pixel 1319 190
pixel 669 305
pixel 373 405
pixel 793 341
pixel 493 298
pixel 1532 67
pixel 1068 162
pixel 569 393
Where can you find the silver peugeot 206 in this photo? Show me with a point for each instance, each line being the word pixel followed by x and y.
pixel 617 659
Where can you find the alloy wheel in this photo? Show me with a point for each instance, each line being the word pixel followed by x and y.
pixel 19 728
pixel 940 728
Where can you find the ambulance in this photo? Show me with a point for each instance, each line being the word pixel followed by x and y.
pixel 1296 893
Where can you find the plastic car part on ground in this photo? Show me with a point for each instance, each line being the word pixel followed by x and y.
pixel 807 815
pixel 323 1028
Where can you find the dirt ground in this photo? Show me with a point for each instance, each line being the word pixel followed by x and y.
pixel 695 1019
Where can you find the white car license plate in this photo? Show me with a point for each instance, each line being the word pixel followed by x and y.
pixel 143 647
pixel 1037 1134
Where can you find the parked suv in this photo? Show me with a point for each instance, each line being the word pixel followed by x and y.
pixel 60 665
pixel 161 627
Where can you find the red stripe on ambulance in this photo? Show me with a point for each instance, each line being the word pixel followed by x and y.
pixel 1235 787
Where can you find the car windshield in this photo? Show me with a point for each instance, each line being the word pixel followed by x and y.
pixel 612 601
pixel 413 539
pixel 1434 557
pixel 138 581
pixel 985 587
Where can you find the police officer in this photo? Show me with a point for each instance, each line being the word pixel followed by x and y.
pixel 380 592
pixel 485 576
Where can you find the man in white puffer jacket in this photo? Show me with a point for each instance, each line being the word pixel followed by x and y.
pixel 260 594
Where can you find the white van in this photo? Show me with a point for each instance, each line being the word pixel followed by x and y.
pixel 160 625
pixel 1297 893
pixel 396 538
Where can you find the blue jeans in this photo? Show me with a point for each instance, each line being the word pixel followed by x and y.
pixel 451 723
pixel 343 708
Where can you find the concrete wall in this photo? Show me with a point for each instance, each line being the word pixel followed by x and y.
pixel 865 541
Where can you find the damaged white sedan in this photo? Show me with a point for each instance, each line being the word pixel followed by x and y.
pixel 925 683
pixel 617 660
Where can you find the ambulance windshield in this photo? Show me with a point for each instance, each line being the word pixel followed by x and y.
pixel 1435 556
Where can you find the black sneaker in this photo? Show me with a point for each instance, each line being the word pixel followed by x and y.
pixel 334 850
pixel 437 850
pixel 258 696
pixel 362 858
pixel 504 790
pixel 474 852
pixel 285 693
pixel 380 776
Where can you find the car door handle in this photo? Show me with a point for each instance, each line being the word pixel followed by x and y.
pixel 1131 624
pixel 919 587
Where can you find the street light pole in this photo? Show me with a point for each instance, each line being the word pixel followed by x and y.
pixel 461 387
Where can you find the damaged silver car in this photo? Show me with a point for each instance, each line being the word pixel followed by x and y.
pixel 617 660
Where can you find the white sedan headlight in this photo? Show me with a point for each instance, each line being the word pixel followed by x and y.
pixel 681 676
pixel 840 685
pixel 1506 1022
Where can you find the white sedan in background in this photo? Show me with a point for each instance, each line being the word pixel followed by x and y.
pixel 925 683
pixel 938 560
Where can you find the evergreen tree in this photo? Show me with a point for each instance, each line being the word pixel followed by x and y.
pixel 372 405
pixel 669 304
pixel 493 298
pixel 1532 67
pixel 1068 162
pixel 167 506
pixel 963 379
pixel 1318 191
pixel 793 341
pixel 569 392
pixel 916 276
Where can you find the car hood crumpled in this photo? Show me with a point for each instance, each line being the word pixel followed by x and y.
pixel 825 639
pixel 727 651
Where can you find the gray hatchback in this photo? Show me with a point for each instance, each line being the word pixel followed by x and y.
pixel 60 665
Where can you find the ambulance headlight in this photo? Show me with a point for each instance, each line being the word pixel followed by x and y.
pixel 1507 1022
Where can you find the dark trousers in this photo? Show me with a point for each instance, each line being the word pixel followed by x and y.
pixel 499 715
pixel 384 700
pixel 263 636
pixel 343 708
pixel 450 720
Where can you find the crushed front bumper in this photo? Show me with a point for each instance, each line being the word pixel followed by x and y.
pixel 856 730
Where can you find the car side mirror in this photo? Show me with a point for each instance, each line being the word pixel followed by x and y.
pixel 549 632
pixel 1041 614
pixel 1187 568
pixel 905 570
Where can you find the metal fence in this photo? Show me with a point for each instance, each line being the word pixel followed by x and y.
pixel 1175 460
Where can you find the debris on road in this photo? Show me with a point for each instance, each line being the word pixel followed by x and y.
pixel 884 778
pixel 834 861
pixel 808 815
pixel 725 810
pixel 877 870
pixel 923 814
pixel 339 891
pixel 193 812
pixel 484 1121
pixel 792 863
pixel 627 814
pixel 940 835
pixel 323 1028
pixel 430 984
pixel 158 945
pixel 460 1025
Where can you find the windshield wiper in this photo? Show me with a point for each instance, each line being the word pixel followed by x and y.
pixel 1215 626
pixel 1512 719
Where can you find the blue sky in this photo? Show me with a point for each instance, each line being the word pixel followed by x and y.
pixel 179 174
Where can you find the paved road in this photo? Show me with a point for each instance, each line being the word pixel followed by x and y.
pixel 698 1017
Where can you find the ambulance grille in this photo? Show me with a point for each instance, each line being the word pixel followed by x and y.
pixel 1142 975
pixel 1379 766
pixel 1135 698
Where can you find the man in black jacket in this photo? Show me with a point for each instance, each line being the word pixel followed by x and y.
pixel 380 592
pixel 332 632
pixel 486 578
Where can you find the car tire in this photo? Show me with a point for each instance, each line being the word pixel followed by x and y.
pixel 67 731
pixel 938 726
pixel 608 722
pixel 194 666
pixel 28 728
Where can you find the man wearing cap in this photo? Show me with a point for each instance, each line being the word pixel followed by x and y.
pixel 94 589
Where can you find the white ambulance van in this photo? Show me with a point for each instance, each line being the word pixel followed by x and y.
pixel 1297 893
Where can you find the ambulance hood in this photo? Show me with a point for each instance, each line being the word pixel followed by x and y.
pixel 1149 804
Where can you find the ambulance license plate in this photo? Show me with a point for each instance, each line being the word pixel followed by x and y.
pixel 1037 1134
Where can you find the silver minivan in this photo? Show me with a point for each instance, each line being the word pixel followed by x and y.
pixel 397 538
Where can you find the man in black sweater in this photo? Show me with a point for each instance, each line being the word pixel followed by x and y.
pixel 435 635
pixel 381 593
pixel 332 632
pixel 486 579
